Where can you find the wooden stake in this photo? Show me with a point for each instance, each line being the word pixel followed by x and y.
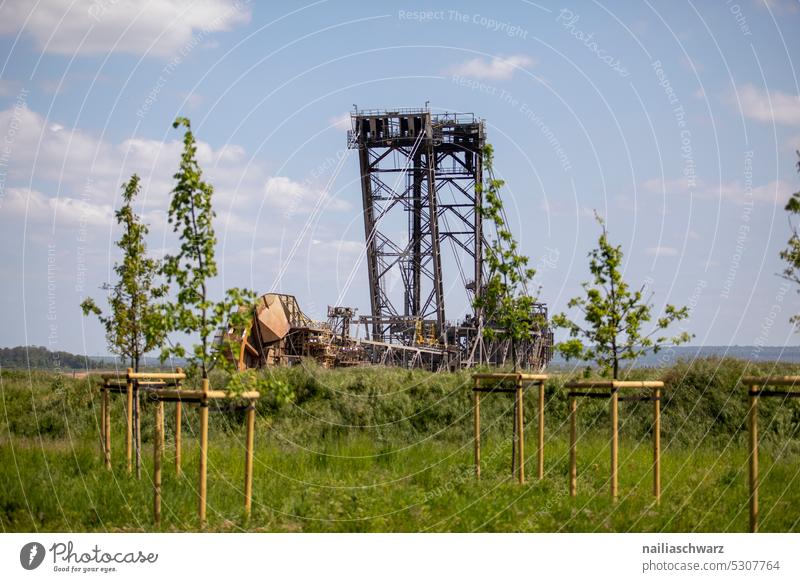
pixel 657 444
pixel 203 452
pixel 614 440
pixel 103 420
pixel 753 459
pixel 520 434
pixel 540 452
pixel 137 422
pixel 477 422
pixel 157 454
pixel 107 413
pixel 248 463
pixel 129 423
pixel 137 431
pixel 161 419
pixel 178 419
pixel 573 446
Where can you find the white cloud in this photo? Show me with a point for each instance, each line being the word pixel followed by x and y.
pixel 9 88
pixel 769 106
pixel 340 247
pixel 81 166
pixel 193 100
pixel 497 68
pixel 158 27
pixel 72 166
pixel 298 198
pixel 774 192
pixel 39 208
pixel 661 251
pixel 341 122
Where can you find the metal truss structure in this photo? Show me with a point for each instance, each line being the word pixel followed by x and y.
pixel 420 178
pixel 419 173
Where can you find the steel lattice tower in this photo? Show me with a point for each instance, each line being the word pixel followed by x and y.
pixel 419 173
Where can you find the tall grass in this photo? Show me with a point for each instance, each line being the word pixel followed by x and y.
pixel 391 450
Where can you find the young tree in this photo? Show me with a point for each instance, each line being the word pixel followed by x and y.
pixel 791 254
pixel 191 215
pixel 614 315
pixel 506 306
pixel 133 327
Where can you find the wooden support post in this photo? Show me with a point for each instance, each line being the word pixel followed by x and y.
pixel 540 452
pixel 178 420
pixel 157 454
pixel 133 387
pixel 103 420
pixel 520 434
pixel 573 446
pixel 161 432
pixel 477 422
pixel 657 444
pixel 614 441
pixel 753 415
pixel 107 412
pixel 129 424
pixel 248 463
pixel 137 431
pixel 203 451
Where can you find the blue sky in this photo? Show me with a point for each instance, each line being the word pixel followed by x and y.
pixel 677 121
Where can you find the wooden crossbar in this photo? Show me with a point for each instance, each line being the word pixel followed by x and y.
pixel 198 395
pixel 590 394
pixel 157 375
pixel 499 376
pixel 771 381
pixel 606 384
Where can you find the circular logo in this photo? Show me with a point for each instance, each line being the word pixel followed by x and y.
pixel 31 555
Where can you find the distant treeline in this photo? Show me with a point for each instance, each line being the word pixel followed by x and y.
pixel 41 358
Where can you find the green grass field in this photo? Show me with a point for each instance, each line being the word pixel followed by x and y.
pixel 390 450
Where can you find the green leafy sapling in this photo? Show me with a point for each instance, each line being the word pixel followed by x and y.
pixel 194 265
pixel 791 254
pixel 614 316
pixel 504 303
pixel 133 326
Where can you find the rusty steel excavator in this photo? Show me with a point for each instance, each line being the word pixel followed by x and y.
pixel 421 172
